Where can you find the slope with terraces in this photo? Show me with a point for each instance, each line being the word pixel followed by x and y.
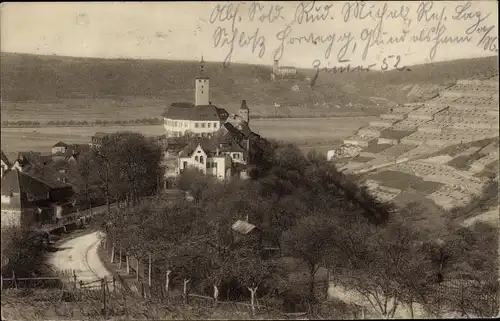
pixel 443 147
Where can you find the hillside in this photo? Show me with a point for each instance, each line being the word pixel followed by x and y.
pixel 443 151
pixel 66 83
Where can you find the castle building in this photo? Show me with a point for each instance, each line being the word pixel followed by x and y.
pixel 283 71
pixel 199 119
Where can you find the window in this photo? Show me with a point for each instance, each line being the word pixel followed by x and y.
pixel 195 125
pixel 215 125
pixel 184 164
pixel 196 158
pixel 202 125
pixel 209 125
pixel 201 159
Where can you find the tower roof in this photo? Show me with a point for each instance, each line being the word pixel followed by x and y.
pixel 201 72
pixel 244 104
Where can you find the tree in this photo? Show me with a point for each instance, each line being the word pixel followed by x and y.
pixel 188 177
pixel 310 240
pixel 252 271
pixel 127 166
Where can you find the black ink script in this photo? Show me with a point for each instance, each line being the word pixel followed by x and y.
pixel 231 37
pixel 223 38
pixel 286 38
pixel 310 12
pixel 390 60
pixel 464 12
pixel 265 14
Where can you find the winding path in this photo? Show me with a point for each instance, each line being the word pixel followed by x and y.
pixel 80 254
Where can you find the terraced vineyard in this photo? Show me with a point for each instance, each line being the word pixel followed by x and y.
pixel 450 141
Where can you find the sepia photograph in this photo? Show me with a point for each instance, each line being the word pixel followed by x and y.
pixel 249 160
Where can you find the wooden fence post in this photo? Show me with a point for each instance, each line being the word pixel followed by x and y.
pixel 14 281
pixel 103 286
pixel 74 278
pixel 128 264
pixel 114 283
pixel 149 270
pixel 113 254
pixel 185 291
pixel 1 282
pixel 120 257
pixel 167 281
pixel 137 270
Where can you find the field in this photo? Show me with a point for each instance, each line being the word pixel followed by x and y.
pixel 322 133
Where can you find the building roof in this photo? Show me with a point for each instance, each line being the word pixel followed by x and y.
pixel 5 159
pixel 208 145
pixel 201 72
pixel 60 144
pixel 17 182
pixel 242 227
pixel 221 143
pixel 33 158
pixel 188 111
pixel 244 105
pixel 48 176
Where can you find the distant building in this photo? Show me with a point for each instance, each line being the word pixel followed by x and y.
pixel 201 119
pixel 5 164
pixel 60 147
pixel 282 72
pixel 68 152
pixel 98 138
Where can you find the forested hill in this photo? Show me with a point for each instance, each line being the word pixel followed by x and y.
pixel 47 78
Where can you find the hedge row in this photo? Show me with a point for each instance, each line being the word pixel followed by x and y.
pixel 28 123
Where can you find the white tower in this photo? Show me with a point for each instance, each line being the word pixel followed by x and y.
pixel 202 87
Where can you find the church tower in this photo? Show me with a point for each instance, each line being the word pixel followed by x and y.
pixel 244 112
pixel 202 87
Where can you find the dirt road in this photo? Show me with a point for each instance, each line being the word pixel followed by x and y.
pixel 80 254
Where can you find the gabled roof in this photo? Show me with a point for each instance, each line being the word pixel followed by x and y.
pixel 17 182
pixel 5 159
pixel 48 176
pixel 208 145
pixel 60 144
pixel 188 111
pixel 33 158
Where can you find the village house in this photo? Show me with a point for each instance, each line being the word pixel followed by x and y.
pixel 27 160
pixel 68 152
pixel 27 200
pixel 249 234
pixel 5 165
pixel 205 155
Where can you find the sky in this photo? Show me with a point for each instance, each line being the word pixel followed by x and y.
pixel 183 31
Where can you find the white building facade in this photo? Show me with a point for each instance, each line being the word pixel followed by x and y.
pixel 199 119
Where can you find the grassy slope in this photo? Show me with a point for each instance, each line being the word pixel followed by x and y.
pixel 53 79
